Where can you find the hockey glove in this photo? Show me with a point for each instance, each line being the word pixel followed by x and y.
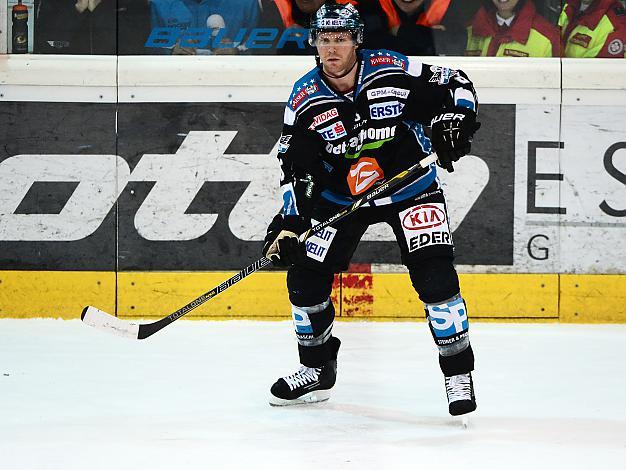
pixel 282 246
pixel 452 133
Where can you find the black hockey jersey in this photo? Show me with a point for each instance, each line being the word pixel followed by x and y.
pixel 348 143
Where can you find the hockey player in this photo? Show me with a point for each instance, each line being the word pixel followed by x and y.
pixel 354 120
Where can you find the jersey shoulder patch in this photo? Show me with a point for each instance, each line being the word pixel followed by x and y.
pixel 305 88
pixel 375 60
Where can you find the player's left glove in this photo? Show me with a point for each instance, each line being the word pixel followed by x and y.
pixel 282 245
pixel 452 133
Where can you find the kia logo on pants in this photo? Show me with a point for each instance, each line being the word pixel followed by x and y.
pixel 424 216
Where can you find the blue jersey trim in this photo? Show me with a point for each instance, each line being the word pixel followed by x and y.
pixel 413 189
pixel 289 203
pixel 418 131
pixel 336 198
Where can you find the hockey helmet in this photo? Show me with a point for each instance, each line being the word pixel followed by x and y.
pixel 336 17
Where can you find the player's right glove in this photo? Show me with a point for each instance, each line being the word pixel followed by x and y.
pixel 452 133
pixel 282 246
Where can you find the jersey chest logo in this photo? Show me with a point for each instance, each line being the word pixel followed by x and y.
pixel 385 110
pixel 387 91
pixel 333 132
pixel 324 117
pixel 363 175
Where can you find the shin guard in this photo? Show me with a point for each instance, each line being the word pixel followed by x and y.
pixel 449 326
pixel 313 327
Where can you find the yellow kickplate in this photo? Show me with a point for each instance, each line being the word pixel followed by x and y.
pixel 515 296
pixel 157 294
pixel 359 296
pixel 55 294
pixel 488 296
pixel 599 298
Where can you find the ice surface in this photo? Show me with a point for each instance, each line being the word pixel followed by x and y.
pixel 194 397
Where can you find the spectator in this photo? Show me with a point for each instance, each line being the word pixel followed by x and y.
pixel 417 27
pixel 549 9
pixel 233 20
pixel 76 27
pixel 293 15
pixel 288 13
pixel 240 17
pixel 511 28
pixel 593 28
pixel 178 15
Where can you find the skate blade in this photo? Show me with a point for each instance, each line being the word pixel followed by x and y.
pixel 464 421
pixel 316 396
pixel 460 422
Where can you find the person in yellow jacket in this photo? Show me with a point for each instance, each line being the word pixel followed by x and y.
pixel 593 28
pixel 511 28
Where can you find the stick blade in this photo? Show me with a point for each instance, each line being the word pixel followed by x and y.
pixel 108 323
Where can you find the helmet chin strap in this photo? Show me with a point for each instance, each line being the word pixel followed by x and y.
pixel 343 74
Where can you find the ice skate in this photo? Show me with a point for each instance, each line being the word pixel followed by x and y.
pixel 460 392
pixel 308 384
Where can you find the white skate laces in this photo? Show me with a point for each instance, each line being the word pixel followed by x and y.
pixel 304 376
pixel 459 387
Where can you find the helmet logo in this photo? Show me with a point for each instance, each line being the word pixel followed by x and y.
pixel 332 23
pixel 347 11
pixel 336 17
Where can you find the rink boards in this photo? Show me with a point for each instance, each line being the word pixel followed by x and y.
pixel 138 185
pixel 365 296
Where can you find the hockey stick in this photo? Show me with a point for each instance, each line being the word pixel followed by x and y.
pixel 128 329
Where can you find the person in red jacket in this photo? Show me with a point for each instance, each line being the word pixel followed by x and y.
pixel 511 28
pixel 593 28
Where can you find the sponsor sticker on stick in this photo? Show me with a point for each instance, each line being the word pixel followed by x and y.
pixel 317 245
